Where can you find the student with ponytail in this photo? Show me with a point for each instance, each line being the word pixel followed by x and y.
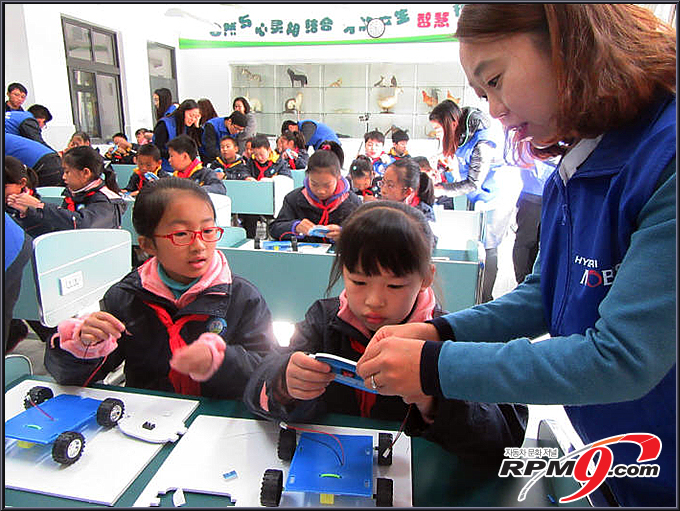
pixel 404 182
pixel 324 199
pixel 91 198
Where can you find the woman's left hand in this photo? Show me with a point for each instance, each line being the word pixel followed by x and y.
pixel 194 358
pixel 393 364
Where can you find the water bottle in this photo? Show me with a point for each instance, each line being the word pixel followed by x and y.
pixel 261 230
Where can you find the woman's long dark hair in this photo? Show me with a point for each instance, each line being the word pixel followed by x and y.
pixel 178 116
pixel 84 156
pixel 164 101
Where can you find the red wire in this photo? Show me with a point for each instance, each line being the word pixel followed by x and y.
pixel 95 371
pixel 323 433
pixel 287 232
pixel 40 409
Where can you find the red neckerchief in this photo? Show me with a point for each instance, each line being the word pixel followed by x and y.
pixel 326 208
pixel 366 399
pixel 262 169
pixel 182 383
pixel 29 191
pixel 142 179
pixel 367 191
pixel 71 205
pixel 195 166
pixel 412 200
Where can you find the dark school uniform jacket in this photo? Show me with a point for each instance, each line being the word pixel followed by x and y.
pixel 96 208
pixel 274 166
pixel 296 207
pixel 205 177
pixel 479 432
pixel 213 131
pixel 138 179
pixel 299 162
pixel 234 170
pixel 236 312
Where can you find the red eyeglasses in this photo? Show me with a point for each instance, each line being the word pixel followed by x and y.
pixel 183 238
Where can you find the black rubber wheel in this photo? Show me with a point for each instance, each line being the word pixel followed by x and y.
pixel 384 442
pixel 272 486
pixel 287 444
pixel 68 447
pixel 383 492
pixel 37 395
pixel 110 412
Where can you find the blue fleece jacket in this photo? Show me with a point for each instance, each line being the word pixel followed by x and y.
pixel 604 287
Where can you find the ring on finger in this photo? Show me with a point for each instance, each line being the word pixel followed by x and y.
pixel 373 384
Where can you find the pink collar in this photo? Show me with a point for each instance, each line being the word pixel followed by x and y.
pixel 218 273
pixel 425 303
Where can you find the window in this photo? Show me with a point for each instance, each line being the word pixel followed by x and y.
pixel 94 79
pixel 162 71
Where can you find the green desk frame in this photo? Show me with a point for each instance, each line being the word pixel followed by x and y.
pixel 123 173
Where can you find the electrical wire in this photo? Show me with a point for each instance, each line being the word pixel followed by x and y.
pixel 342 462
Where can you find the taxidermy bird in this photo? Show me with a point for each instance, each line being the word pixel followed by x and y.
pixel 336 83
pixel 430 101
pixel 381 82
pixel 450 96
pixel 393 82
pixel 390 101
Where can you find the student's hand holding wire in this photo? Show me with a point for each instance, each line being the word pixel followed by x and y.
pixel 304 226
pixel 92 337
pixel 333 232
pixel 98 326
pixel 391 365
pixel 307 378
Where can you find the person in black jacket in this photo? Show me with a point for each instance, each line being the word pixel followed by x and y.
pixel 89 200
pixel 185 163
pixel 229 165
pixel 265 163
pixel 384 256
pixel 215 129
pixel 324 200
pixel 181 321
pixel 183 120
pixel 148 160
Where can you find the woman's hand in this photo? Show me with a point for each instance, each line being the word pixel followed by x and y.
pixel 193 358
pixel 392 365
pixel 333 232
pixel 304 226
pixel 98 326
pixel 422 331
pixel 307 378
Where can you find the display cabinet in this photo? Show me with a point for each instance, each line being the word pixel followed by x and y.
pixel 350 98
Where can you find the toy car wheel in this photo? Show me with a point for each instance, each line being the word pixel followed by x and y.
pixel 37 395
pixel 384 443
pixel 68 447
pixel 272 486
pixel 110 412
pixel 287 444
pixel 383 492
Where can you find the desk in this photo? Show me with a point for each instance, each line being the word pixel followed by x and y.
pixel 439 478
pixel 258 197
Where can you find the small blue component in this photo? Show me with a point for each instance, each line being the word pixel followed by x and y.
pixel 229 475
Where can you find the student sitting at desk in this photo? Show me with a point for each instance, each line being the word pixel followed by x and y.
pixel 123 151
pixel 265 163
pixel 293 149
pixel 229 165
pixel 89 200
pixel 148 159
pixel 384 256
pixel 181 321
pixel 404 182
pixel 363 179
pixel 183 157
pixel 325 199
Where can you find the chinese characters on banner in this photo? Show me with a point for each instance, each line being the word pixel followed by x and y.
pixel 408 20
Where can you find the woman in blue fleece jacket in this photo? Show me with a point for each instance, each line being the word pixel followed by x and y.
pixel 603 286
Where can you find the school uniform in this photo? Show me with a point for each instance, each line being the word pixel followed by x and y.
pixel 122 156
pixel 213 131
pixel 237 169
pixel 159 322
pixel 395 157
pixel 380 164
pixel 302 203
pixel 165 130
pixel 296 159
pixel 372 191
pixel 203 176
pixel 138 179
pixel 274 166
pixel 92 207
pixel 423 207
pixel 41 158
pixel 478 432
pixel 603 286
pixel 18 122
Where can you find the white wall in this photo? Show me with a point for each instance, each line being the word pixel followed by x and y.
pixel 37 58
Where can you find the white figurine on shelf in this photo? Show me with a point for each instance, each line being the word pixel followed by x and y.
pixel 390 101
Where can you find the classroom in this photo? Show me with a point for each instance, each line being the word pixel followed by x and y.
pixel 404 252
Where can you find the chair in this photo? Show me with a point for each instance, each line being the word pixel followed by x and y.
pixel 16 366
